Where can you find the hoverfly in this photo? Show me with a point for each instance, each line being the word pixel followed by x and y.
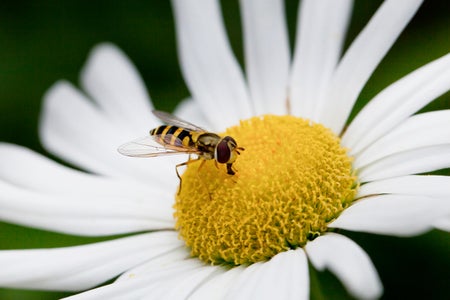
pixel 181 137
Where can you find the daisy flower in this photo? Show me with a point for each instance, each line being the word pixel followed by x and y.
pixel 305 173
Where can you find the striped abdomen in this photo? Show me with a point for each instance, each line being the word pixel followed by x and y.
pixel 175 136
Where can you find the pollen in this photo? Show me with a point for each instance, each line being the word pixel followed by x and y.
pixel 293 178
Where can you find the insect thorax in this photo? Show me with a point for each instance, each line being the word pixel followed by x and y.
pixel 207 142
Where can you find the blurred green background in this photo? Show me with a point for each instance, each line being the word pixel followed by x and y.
pixel 43 41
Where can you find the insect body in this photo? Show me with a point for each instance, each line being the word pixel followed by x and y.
pixel 178 137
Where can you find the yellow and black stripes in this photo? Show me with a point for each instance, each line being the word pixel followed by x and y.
pixel 175 136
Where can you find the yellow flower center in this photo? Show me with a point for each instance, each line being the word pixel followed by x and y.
pixel 292 179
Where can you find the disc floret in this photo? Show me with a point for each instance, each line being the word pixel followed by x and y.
pixel 292 180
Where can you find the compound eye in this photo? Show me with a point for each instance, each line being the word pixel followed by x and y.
pixel 223 152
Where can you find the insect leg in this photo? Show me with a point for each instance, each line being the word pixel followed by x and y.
pixel 178 174
pixel 230 170
pixel 201 179
pixel 288 104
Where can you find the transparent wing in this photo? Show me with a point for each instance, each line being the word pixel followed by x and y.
pixel 170 119
pixel 149 146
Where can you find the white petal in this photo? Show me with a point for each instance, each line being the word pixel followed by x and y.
pixel 84 214
pixel 218 287
pixel 399 215
pixel 187 285
pixel 443 224
pixel 209 67
pixel 397 102
pixel 422 130
pixel 177 257
pixel 320 36
pixel 348 262
pixel 25 168
pixel 416 161
pixel 74 129
pixel 285 276
pixel 113 82
pixel 80 267
pixel 432 186
pixel 267 56
pixel 361 59
pixel 190 111
pixel 69 117
pixel 185 276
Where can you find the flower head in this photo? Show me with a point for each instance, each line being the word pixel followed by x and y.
pixel 304 173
